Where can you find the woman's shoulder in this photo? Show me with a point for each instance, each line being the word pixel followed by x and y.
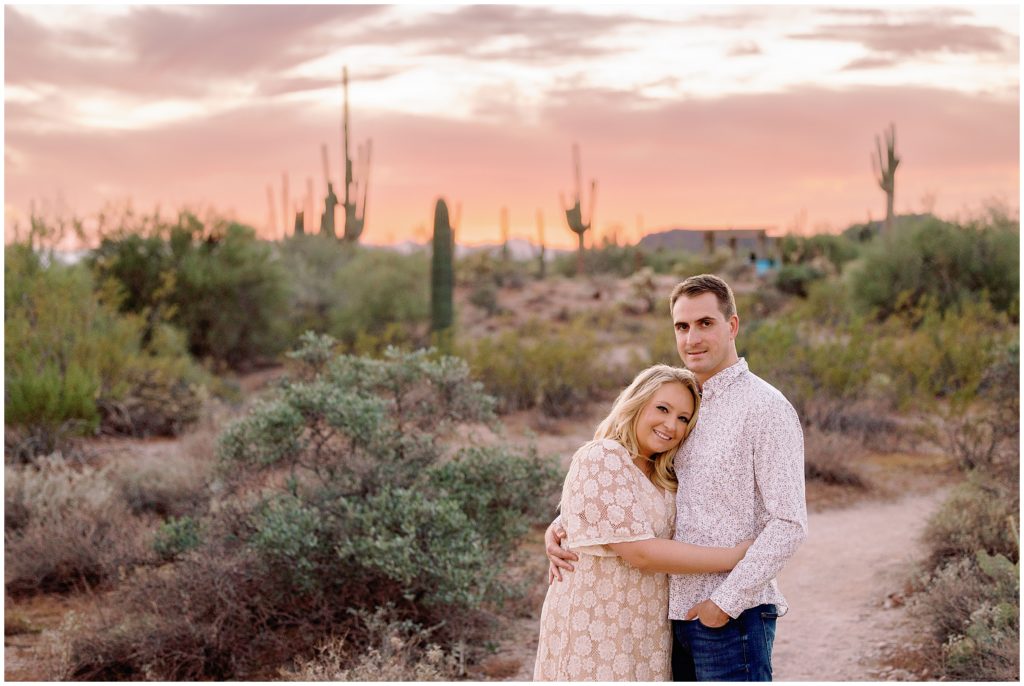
pixel 602 450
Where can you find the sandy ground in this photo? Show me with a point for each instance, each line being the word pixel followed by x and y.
pixel 837 585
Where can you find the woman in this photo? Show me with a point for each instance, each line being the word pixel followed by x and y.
pixel 608 621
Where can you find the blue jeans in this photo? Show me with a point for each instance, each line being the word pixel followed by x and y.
pixel 741 650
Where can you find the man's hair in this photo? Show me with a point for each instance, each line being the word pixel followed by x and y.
pixel 706 283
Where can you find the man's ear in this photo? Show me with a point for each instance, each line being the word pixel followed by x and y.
pixel 734 326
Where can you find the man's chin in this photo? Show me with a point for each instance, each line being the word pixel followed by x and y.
pixel 695 363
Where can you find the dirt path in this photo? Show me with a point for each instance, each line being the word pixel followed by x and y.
pixel 837 585
pixel 838 627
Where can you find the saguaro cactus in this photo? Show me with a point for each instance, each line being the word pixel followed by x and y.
pixel 441 277
pixel 504 235
pixel 574 214
pixel 330 201
pixel 285 203
pixel 887 173
pixel 272 213
pixel 355 218
pixel 542 272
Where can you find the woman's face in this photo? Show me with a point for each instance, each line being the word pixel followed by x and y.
pixel 663 420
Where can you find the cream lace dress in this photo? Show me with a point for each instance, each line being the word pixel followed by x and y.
pixel 607 621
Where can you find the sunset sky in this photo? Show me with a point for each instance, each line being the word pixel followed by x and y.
pixel 692 116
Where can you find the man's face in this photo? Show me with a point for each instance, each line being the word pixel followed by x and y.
pixel 704 337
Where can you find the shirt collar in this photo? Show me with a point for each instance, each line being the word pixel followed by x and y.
pixel 723 379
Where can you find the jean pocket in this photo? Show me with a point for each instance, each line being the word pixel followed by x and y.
pixel 769 615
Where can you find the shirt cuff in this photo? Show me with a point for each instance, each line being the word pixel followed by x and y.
pixel 728 605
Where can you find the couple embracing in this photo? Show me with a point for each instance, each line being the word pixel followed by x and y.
pixel 677 517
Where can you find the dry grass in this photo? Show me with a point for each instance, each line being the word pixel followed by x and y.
pixel 396 651
pixel 834 459
pixel 16 624
pixel 68 527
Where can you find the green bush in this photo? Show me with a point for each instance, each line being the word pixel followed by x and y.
pixel 73 361
pixel 945 262
pixel 834 250
pixel 972 610
pixel 352 507
pixel 216 281
pixel 176 536
pixel 501 492
pixel 537 365
pixel 381 295
pixel 976 516
pixel 312 262
pixel 929 353
pixel 794 279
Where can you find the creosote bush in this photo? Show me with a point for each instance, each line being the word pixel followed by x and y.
pixel 341 497
pixel 213 279
pixel 947 262
pixel 74 364
pixel 558 369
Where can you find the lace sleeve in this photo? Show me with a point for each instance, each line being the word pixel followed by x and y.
pixel 600 504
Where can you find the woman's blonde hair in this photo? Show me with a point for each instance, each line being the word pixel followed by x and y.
pixel 620 424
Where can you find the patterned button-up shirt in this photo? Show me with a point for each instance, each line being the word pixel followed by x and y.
pixel 741 476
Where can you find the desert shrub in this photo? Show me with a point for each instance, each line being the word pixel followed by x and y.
pixel 68 526
pixel 820 249
pixel 833 458
pixel 807 363
pixel 946 262
pixel 972 609
pixel 930 353
pixel 381 294
pixel 74 364
pixel 338 499
pixel 606 259
pixel 976 516
pixel 215 280
pixel 368 298
pixel 984 436
pixel 312 262
pixel 556 369
pixel 172 485
pixel 176 536
pixel 53 326
pixel 485 296
pixel 497 492
pixel 794 279
pixel 813 352
pixel 395 650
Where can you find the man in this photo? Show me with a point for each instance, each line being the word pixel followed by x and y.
pixel 741 476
